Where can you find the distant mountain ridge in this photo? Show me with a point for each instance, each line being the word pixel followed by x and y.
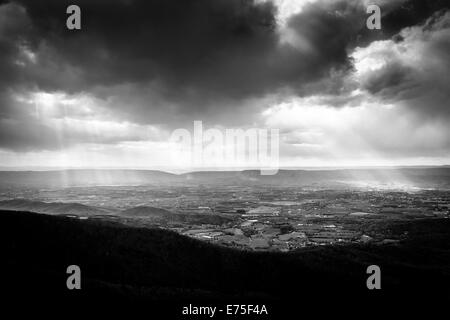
pixel 60 208
pixel 151 214
pixel 62 178
pixel 52 207
pixel 420 177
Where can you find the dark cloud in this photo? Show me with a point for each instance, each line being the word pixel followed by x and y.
pixel 195 54
pixel 416 72
pixel 171 61
pixel 187 46
pixel 396 15
pixel 411 13
pixel 392 80
pixel 329 27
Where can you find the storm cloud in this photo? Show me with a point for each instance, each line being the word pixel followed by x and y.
pixel 413 69
pixel 198 53
pixel 139 69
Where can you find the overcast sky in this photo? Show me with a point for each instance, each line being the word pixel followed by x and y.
pixel 110 94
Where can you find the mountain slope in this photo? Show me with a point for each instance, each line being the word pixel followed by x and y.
pixel 436 177
pixel 164 216
pixel 137 265
pixel 52 207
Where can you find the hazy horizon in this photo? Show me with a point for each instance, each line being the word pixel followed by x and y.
pixel 212 169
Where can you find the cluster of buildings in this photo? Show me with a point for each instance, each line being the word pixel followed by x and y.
pixel 262 217
pixel 284 221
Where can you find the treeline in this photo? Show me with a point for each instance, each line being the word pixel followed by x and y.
pixel 137 264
